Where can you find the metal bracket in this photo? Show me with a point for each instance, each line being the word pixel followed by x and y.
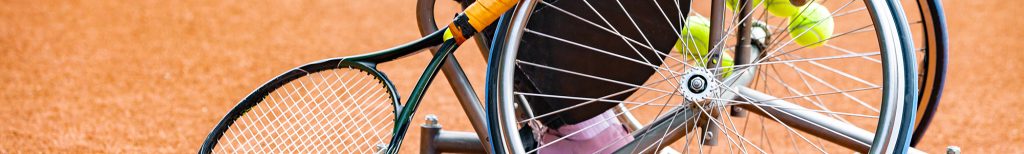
pixel 434 140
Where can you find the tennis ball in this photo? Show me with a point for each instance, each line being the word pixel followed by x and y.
pixel 693 41
pixel 781 8
pixel 812 27
pixel 727 62
pixel 731 4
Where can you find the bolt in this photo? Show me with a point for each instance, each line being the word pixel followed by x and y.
pixel 697 83
pixel 432 120
pixel 953 150
pixel 380 147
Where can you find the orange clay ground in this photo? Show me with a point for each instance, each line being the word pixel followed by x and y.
pixel 147 76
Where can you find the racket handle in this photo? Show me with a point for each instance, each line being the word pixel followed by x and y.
pixel 484 12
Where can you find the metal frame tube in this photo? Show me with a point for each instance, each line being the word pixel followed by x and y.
pixel 806 120
pixel 458 142
pixel 742 50
pixel 795 116
pixel 714 56
pixel 434 140
pixel 454 74
pixel 669 126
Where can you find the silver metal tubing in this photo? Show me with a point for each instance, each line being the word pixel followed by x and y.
pixel 627 118
pixel 795 116
pixel 716 33
pixel 742 50
pixel 714 54
pixel 434 140
pixel 428 132
pixel 666 130
pixel 806 120
pixel 454 74
pixel 467 97
pixel 458 142
pixel 484 45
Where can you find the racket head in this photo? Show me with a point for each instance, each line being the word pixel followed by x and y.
pixel 334 105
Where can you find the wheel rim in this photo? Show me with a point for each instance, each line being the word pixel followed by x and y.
pixel 888 115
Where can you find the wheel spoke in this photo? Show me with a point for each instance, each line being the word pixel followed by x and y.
pixel 743 67
pixel 814 85
pixel 802 71
pixel 602 51
pixel 811 90
pixel 851 52
pixel 866 28
pixel 609 31
pixel 804 32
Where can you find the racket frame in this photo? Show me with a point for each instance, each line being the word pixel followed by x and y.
pixel 365 62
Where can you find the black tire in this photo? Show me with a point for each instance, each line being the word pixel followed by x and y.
pixel 932 65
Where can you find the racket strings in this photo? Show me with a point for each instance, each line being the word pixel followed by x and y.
pixel 333 111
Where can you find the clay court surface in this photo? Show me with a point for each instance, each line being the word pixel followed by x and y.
pixel 108 76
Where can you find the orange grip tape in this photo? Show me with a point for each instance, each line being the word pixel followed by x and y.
pixel 484 12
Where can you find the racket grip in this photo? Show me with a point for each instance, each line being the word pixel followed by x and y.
pixel 484 12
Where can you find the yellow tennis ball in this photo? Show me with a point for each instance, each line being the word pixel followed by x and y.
pixel 693 41
pixel 813 27
pixel 780 8
pixel 727 64
pixel 731 4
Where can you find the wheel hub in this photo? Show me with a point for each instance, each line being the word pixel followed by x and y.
pixel 697 84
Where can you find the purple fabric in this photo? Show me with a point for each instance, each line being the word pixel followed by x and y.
pixel 603 132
